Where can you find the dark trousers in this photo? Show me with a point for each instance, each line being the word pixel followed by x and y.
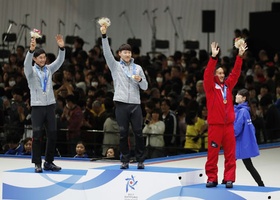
pixel 250 167
pixel 126 114
pixel 43 120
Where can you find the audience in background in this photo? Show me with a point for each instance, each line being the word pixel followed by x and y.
pixel 27 146
pixel 73 115
pixel 81 150
pixel 14 147
pixel 174 81
pixel 154 131
pixel 112 153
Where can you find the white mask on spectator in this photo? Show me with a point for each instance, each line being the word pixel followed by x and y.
pixel 94 84
pixel 12 83
pixel 159 79
pixel 170 63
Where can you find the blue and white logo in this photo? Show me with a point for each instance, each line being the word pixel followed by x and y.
pixel 130 183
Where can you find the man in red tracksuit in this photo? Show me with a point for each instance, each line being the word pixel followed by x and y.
pixel 221 116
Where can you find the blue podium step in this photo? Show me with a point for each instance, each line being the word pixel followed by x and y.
pixel 109 182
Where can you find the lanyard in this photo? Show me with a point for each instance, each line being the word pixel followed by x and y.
pixel 125 69
pixel 224 92
pixel 43 80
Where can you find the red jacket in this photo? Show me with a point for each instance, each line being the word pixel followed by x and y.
pixel 218 112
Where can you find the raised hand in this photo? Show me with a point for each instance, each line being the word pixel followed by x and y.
pixel 59 40
pixel 215 49
pixel 32 44
pixel 242 49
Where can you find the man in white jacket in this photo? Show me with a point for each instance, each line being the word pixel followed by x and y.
pixel 39 78
pixel 128 79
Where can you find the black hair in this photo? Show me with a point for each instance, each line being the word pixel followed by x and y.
pixel 150 104
pixel 156 110
pixel 38 52
pixel 266 100
pixel 109 103
pixel 13 138
pixel 80 41
pixel 18 91
pixel 167 101
pixel 26 140
pixel 20 47
pixel 244 93
pixel 237 31
pixel 116 153
pixel 81 142
pixel 180 110
pixel 58 76
pixel 125 47
pixel 51 57
pixel 136 50
pixel 60 98
pixel 245 32
pixel 190 116
pixel 71 98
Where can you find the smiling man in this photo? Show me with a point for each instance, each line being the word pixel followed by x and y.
pixel 128 79
pixel 218 90
pixel 43 103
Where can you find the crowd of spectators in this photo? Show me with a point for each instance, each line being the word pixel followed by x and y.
pixel 85 108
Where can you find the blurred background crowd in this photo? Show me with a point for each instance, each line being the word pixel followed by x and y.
pixel 174 106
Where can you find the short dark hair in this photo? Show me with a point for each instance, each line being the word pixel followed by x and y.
pixel 38 52
pixel 71 98
pixel 266 100
pixel 80 41
pixel 167 101
pixel 244 93
pixel 20 47
pixel 26 140
pixel 156 110
pixel 190 116
pixel 125 47
pixel 13 138
pixel 18 91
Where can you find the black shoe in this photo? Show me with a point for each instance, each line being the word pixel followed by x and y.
pixel 140 165
pixel 261 184
pixel 124 165
pixel 223 182
pixel 51 167
pixel 211 184
pixel 38 168
pixel 229 184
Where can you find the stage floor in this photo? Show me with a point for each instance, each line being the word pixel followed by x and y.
pixel 267 164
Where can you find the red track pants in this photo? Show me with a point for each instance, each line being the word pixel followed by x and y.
pixel 221 135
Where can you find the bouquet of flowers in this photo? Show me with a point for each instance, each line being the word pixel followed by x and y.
pixel 239 42
pixel 104 21
pixel 35 33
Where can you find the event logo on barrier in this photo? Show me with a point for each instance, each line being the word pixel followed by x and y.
pixel 130 186
pixel 130 183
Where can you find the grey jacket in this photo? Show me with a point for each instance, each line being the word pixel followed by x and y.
pixel 38 97
pixel 126 88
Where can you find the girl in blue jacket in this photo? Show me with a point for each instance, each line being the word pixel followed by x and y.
pixel 244 130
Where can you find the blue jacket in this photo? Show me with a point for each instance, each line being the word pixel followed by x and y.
pixel 126 88
pixel 16 151
pixel 38 98
pixel 244 130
